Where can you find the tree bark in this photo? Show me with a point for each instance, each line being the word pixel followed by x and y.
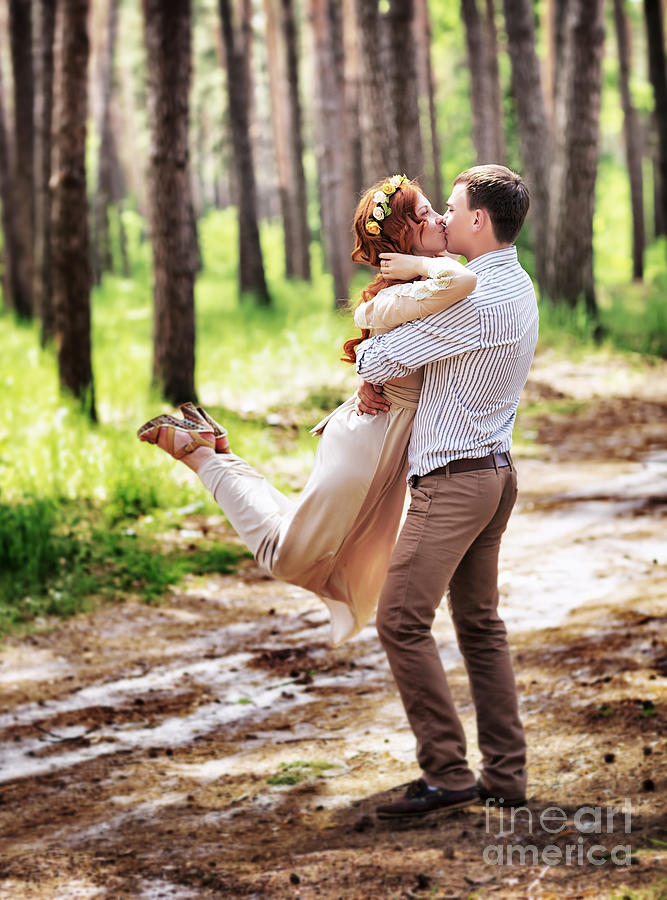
pixel 633 142
pixel 351 92
pixel 102 255
pixel 167 36
pixel 44 26
pixel 493 81
pixel 404 88
pixel 288 144
pixel 658 75
pixel 433 176
pixel 379 141
pixel 535 139
pixel 574 170
pixel 484 85
pixel 20 26
pixel 251 264
pixel 330 143
pixel 69 206
pixel 295 134
pixel 15 291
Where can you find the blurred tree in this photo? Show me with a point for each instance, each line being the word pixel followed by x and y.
pixel 283 64
pixel 44 25
pixel 15 291
pixel 404 85
pixel 482 50
pixel 351 92
pixel 633 138
pixel 422 37
pixel 379 139
pixel 654 16
pixel 167 36
pixel 102 256
pixel 251 264
pixel 532 122
pixel 331 141
pixel 20 29
pixel 69 206
pixel 569 276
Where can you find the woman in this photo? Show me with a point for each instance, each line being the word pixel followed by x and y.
pixel 337 537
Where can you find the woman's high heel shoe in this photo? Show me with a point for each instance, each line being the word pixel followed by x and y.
pixel 150 432
pixel 198 416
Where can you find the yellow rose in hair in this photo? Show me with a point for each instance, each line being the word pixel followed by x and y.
pixel 388 188
pixel 397 180
pixel 373 227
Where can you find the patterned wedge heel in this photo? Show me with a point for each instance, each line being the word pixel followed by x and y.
pixel 198 416
pixel 197 432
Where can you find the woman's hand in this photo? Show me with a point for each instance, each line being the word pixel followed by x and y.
pixel 402 266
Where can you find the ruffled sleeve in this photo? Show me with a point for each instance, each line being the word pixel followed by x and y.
pixel 447 282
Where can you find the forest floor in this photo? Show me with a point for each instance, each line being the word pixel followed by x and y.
pixel 215 746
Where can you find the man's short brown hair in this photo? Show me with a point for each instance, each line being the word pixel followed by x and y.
pixel 502 193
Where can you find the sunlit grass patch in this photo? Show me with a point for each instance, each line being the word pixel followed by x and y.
pixel 299 770
pixel 57 559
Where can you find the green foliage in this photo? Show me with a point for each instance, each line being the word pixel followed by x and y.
pixel 57 559
pixel 299 770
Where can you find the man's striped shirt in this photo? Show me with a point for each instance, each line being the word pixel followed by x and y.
pixel 476 356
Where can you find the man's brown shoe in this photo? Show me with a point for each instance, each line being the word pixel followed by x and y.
pixel 420 799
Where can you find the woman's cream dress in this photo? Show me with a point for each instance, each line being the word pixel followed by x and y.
pixel 337 536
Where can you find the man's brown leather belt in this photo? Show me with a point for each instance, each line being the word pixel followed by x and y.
pixel 492 461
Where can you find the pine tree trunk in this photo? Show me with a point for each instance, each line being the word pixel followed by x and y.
pixel 535 139
pixel 15 291
pixel 295 134
pixel 379 141
pixel 275 54
pixel 102 256
pixel 167 35
pixel 69 204
pixel 422 31
pixel 352 89
pixel 404 88
pixel 330 143
pixel 20 27
pixel 484 85
pixel 251 263
pixel 44 25
pixel 574 170
pixel 632 133
pixel 493 81
pixel 658 74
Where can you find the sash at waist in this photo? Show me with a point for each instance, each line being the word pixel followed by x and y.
pixel 402 395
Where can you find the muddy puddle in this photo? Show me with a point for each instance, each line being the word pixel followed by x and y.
pixel 216 746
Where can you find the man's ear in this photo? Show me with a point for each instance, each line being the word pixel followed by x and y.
pixel 479 220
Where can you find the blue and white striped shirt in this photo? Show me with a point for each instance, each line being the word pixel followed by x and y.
pixel 476 356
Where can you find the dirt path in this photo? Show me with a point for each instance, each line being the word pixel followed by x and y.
pixel 216 747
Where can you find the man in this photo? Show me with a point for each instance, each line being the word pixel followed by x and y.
pixel 476 356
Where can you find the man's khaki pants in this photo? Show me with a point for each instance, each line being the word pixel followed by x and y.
pixel 451 539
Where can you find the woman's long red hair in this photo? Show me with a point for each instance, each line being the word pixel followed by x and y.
pixel 397 236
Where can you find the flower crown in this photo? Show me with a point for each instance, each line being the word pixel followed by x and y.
pixel 381 200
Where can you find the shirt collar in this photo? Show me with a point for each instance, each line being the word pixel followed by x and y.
pixel 493 258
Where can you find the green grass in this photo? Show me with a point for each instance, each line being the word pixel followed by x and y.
pixel 299 770
pixel 58 559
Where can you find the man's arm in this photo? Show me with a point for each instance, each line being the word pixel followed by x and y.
pixel 408 347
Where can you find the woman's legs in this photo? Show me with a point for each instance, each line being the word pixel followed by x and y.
pixel 258 512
